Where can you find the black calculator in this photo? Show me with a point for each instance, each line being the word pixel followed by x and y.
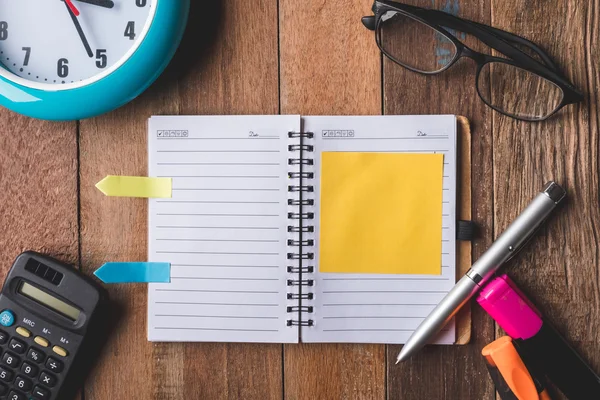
pixel 47 310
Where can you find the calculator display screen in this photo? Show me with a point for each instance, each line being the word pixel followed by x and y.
pixel 49 301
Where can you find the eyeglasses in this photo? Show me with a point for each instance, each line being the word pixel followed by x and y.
pixel 519 86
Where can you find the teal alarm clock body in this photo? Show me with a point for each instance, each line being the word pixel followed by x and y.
pixel 114 90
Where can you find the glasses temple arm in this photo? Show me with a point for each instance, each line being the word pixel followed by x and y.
pixel 453 22
pixel 515 39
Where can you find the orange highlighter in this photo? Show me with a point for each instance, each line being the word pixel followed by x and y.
pixel 512 378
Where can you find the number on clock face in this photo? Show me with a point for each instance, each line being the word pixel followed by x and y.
pixel 69 43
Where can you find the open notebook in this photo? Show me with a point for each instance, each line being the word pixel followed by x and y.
pixel 313 229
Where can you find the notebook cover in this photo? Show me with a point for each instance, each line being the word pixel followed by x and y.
pixel 464 248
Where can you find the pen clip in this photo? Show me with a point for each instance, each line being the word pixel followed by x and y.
pixel 516 250
pixel 556 194
pixel 533 233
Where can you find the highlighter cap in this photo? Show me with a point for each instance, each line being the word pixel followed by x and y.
pixel 508 306
pixel 509 373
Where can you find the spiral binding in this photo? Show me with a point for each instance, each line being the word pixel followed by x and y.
pixel 307 202
pixel 296 296
pixel 300 283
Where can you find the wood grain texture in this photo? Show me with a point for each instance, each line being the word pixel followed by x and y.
pixel 38 189
pixel 464 249
pixel 219 69
pixel 454 372
pixel 237 57
pixel 329 62
pixel 329 65
pixel 560 269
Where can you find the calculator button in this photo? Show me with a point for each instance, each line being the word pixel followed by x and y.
pixel 17 346
pixel 11 360
pixel 23 332
pixel 23 383
pixel 3 390
pixel 54 365
pixel 41 341
pixel 36 355
pixel 40 393
pixel 3 337
pixel 16 396
pixel 7 318
pixel 60 351
pixel 6 375
pixel 47 380
pixel 29 369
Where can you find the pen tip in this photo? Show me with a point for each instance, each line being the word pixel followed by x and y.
pixel 403 356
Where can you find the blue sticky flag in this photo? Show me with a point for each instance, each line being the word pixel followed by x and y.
pixel 134 272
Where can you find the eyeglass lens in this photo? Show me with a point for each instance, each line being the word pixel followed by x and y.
pixel 413 44
pixel 518 92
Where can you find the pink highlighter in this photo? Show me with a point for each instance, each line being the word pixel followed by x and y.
pixel 538 343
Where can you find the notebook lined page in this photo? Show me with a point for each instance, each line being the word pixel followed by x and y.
pixel 224 229
pixel 377 308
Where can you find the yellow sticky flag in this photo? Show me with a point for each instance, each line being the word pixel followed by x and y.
pixel 135 186
pixel 381 213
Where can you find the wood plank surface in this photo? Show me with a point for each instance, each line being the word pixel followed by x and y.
pixel 330 66
pixel 315 57
pixel 219 69
pixel 559 270
pixel 453 372
pixel 38 189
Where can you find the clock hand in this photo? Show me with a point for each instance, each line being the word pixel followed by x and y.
pixel 72 7
pixel 101 3
pixel 84 40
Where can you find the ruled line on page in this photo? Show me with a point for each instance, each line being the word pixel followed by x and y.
pixel 229 189
pixel 172 328
pixel 217 253
pixel 383 291
pixel 222 176
pixel 374 317
pixel 219 138
pixel 218 151
pixel 219 240
pixel 217 215
pixel 368 330
pixel 385 279
pixel 221 163
pixel 217 202
pixel 378 304
pixel 387 138
pixel 217 291
pixel 227 279
pixel 214 316
pixel 218 304
pixel 216 227
pixel 224 266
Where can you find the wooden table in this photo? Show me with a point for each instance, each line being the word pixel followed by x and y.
pixel 314 57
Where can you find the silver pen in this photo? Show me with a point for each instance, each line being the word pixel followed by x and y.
pixel 502 250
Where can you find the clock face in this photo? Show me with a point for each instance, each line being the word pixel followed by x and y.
pixel 64 44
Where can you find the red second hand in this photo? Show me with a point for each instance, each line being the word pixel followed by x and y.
pixel 72 7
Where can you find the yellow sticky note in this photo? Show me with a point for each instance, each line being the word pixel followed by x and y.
pixel 135 186
pixel 381 213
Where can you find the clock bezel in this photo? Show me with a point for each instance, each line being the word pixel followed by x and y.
pixel 11 76
pixel 120 87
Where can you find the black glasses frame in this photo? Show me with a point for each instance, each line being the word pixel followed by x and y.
pixel 502 41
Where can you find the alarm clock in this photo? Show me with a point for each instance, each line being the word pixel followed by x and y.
pixel 74 59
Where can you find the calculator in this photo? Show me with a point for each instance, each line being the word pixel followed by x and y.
pixel 48 311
